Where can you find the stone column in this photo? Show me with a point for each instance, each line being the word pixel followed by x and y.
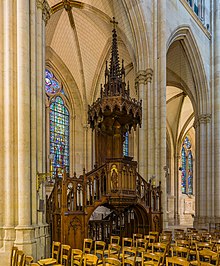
pixel 217 108
pixel 210 207
pixel 23 229
pixel 150 125
pixel 203 179
pixel 143 141
pixel 85 155
pixel 23 102
pixel 9 126
pixel 162 104
pixel 2 17
pixel 176 188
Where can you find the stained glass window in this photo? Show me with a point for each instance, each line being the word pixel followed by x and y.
pixel 59 134
pixel 51 84
pixel 125 144
pixel 187 168
pixel 59 125
pixel 183 175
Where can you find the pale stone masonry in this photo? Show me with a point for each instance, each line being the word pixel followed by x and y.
pixel 172 59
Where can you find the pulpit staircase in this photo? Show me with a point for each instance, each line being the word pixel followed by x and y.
pixel 74 199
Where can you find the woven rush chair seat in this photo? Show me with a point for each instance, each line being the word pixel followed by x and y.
pixel 48 261
pixel 111 262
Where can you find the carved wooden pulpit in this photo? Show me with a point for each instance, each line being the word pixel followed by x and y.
pixel 133 204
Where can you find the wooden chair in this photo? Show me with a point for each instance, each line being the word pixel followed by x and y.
pixel 141 246
pixel 76 257
pixel 160 249
pixel 87 245
pixel 114 251
pixel 206 257
pixel 127 242
pixel 150 259
pixel 176 261
pixel 65 255
pixel 115 240
pixel 182 243
pixel 99 250
pixel 90 260
pixel 111 262
pixel 135 237
pixel 14 251
pixel 20 258
pixel 55 255
pixel 165 238
pixel 151 239
pixel 180 252
pixel 129 256
pixel 156 234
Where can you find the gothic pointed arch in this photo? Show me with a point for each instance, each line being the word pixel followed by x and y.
pixel 56 63
pixel 200 90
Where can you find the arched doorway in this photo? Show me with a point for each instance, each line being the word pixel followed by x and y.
pixel 180 117
pixel 180 157
pixel 107 220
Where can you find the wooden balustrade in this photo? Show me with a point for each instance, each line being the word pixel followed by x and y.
pixel 115 184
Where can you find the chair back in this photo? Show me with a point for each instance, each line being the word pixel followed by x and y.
pixel 129 256
pixel 150 259
pixel 112 262
pixel 87 245
pixel 135 237
pixel 115 240
pixel 181 252
pixel 76 257
pixel 127 242
pixel 156 234
pixel 99 249
pixel 14 251
pixel 141 245
pixel 182 243
pixel 90 259
pixel 65 255
pixel 176 261
pixel 161 250
pixel 56 246
pixel 151 239
pixel 206 256
pixel 20 258
pixel 114 251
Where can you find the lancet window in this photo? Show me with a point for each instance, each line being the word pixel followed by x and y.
pixel 125 144
pixel 198 7
pixel 58 124
pixel 187 168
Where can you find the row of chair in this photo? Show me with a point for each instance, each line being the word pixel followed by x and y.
pixel 18 258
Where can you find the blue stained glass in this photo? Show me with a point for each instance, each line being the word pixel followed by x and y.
pixel 125 144
pixel 59 134
pixel 190 172
pixel 187 168
pixel 183 175
pixel 51 84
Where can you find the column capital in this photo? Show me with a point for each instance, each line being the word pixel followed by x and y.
pixel 46 10
pixel 86 126
pixel 149 74
pixel 144 76
pixel 202 119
